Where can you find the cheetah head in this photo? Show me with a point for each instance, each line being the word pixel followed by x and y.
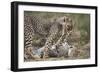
pixel 65 21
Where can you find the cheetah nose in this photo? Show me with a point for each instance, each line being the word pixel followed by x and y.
pixel 71 47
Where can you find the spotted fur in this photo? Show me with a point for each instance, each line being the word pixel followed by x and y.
pixel 48 30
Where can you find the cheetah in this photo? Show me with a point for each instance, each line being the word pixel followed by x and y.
pixel 48 31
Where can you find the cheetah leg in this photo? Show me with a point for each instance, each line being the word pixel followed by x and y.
pixel 45 53
pixel 61 38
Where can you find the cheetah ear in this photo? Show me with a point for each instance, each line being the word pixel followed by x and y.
pixel 65 18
